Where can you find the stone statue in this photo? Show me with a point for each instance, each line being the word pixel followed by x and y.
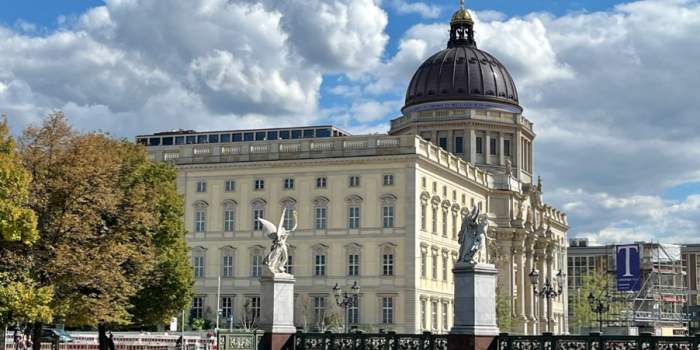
pixel 276 259
pixel 509 168
pixel 472 238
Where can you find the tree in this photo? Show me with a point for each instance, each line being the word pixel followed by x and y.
pixel 599 283
pixel 503 310
pixel 108 237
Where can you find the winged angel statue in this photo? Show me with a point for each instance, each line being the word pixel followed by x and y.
pixel 472 238
pixel 277 257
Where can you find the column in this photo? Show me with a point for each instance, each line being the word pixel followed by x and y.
pixel 472 146
pixel 500 149
pixel 487 147
pixel 522 284
pixel 517 151
pixel 530 306
pixel 451 140
pixel 433 137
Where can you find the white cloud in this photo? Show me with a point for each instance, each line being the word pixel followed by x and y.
pixel 426 11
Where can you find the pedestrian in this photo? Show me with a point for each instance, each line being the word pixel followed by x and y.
pixel 110 342
pixel 16 338
pixel 178 343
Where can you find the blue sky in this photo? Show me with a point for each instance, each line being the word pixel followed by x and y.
pixel 610 86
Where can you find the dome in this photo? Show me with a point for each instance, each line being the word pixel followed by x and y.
pixel 462 72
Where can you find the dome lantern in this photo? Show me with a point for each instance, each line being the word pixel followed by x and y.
pixel 461 28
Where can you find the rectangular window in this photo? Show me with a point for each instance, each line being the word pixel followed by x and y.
pixel 237 137
pixel 319 308
pixel 200 220
pixel 353 264
pixel 289 267
pixel 434 314
pixel 259 135
pixel 202 138
pixel 296 134
pixel 479 145
pixel 201 186
pixel 288 220
pixel 229 217
pixel 259 184
pixel 288 184
pixel 444 191
pixel 423 182
pixel 226 307
pixel 388 264
pixel 198 262
pixel 454 225
pixel 442 142
pixel 154 141
pixel 321 218
pixel 258 213
pixel 197 310
pixel 227 268
pixel 354 217
pixel 284 134
pixel 272 135
pixel 423 264
pixel 445 319
pixel 423 213
pixel 435 266
pixel 388 216
pixel 308 133
pixel 214 138
pixel 354 181
pixel 459 144
pixel 388 180
pixel 435 219
pixel 444 268
pixel 255 307
pixel 444 223
pixel 179 140
pixel 506 148
pixel 434 187
pixel 190 140
pixel 321 182
pixel 387 310
pixel 256 265
pixel 423 316
pixel 492 146
pixel 229 186
pixel 353 314
pixel 167 141
pixel 319 265
pixel 225 138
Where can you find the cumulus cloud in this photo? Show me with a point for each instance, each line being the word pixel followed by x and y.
pixel 426 11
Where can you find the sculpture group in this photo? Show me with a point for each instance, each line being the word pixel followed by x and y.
pixel 472 238
pixel 276 259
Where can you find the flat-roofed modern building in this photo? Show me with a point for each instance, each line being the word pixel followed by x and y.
pixel 382 210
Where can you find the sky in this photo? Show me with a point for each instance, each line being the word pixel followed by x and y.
pixel 612 87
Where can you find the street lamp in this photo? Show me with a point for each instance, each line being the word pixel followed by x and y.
pixel 548 292
pixel 600 305
pixel 346 300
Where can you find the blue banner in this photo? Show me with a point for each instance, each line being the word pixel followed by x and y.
pixel 628 273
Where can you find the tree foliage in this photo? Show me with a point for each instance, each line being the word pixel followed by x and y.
pixel 503 310
pixel 600 284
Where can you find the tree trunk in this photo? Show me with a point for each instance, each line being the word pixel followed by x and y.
pixel 102 336
pixel 36 335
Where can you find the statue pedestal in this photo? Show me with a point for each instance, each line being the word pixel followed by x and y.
pixel 277 304
pixel 474 307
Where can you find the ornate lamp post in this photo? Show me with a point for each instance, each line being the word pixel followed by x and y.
pixel 346 300
pixel 600 305
pixel 548 291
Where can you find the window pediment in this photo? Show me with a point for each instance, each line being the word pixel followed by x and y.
pixel 258 203
pixel 200 204
pixel 353 199
pixel 321 201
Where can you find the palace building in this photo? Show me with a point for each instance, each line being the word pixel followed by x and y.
pixel 382 210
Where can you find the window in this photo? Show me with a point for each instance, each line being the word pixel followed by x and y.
pixel 434 314
pixel 288 184
pixel 444 191
pixel 434 218
pixel 492 146
pixel 454 225
pixel 319 265
pixel 353 314
pixel 442 142
pixel 319 308
pixel 289 267
pixel 387 310
pixel 459 144
pixel 256 265
pixel 201 186
pixel 354 181
pixel 321 218
pixel 388 264
pixel 506 148
pixel 445 319
pixel 200 219
pixel 464 199
pixel 197 310
pixel 444 268
pixel 423 316
pixel 435 265
pixel 321 182
pixel 198 265
pixel 353 264
pixel 288 220
pixel 444 223
pixel 229 186
pixel 479 145
pixel 388 216
pixel 388 180
pixel 423 263
pixel 227 263
pixel 259 184
pixel 354 217
pixel 229 217
pixel 434 187
pixel 255 307
pixel 226 307
pixel 423 182
pixel 423 212
pixel 258 213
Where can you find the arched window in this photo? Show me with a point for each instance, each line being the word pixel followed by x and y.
pixel 321 213
pixel 227 261
pixel 229 215
pixel 200 216
pixel 354 204
pixel 199 262
pixel 258 206
pixel 353 258
pixel 388 210
pixel 320 252
pixel 289 204
pixel 256 260
pixel 387 253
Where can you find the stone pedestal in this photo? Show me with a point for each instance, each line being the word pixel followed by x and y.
pixel 474 307
pixel 277 304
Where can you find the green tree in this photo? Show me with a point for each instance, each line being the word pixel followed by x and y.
pixel 105 228
pixel 503 310
pixel 600 285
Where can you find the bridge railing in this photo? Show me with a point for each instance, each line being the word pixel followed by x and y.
pixel 595 341
pixel 366 341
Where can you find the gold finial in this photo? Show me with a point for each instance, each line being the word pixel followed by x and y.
pixel 461 4
pixel 461 15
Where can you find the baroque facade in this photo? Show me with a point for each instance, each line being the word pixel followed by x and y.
pixel 382 210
